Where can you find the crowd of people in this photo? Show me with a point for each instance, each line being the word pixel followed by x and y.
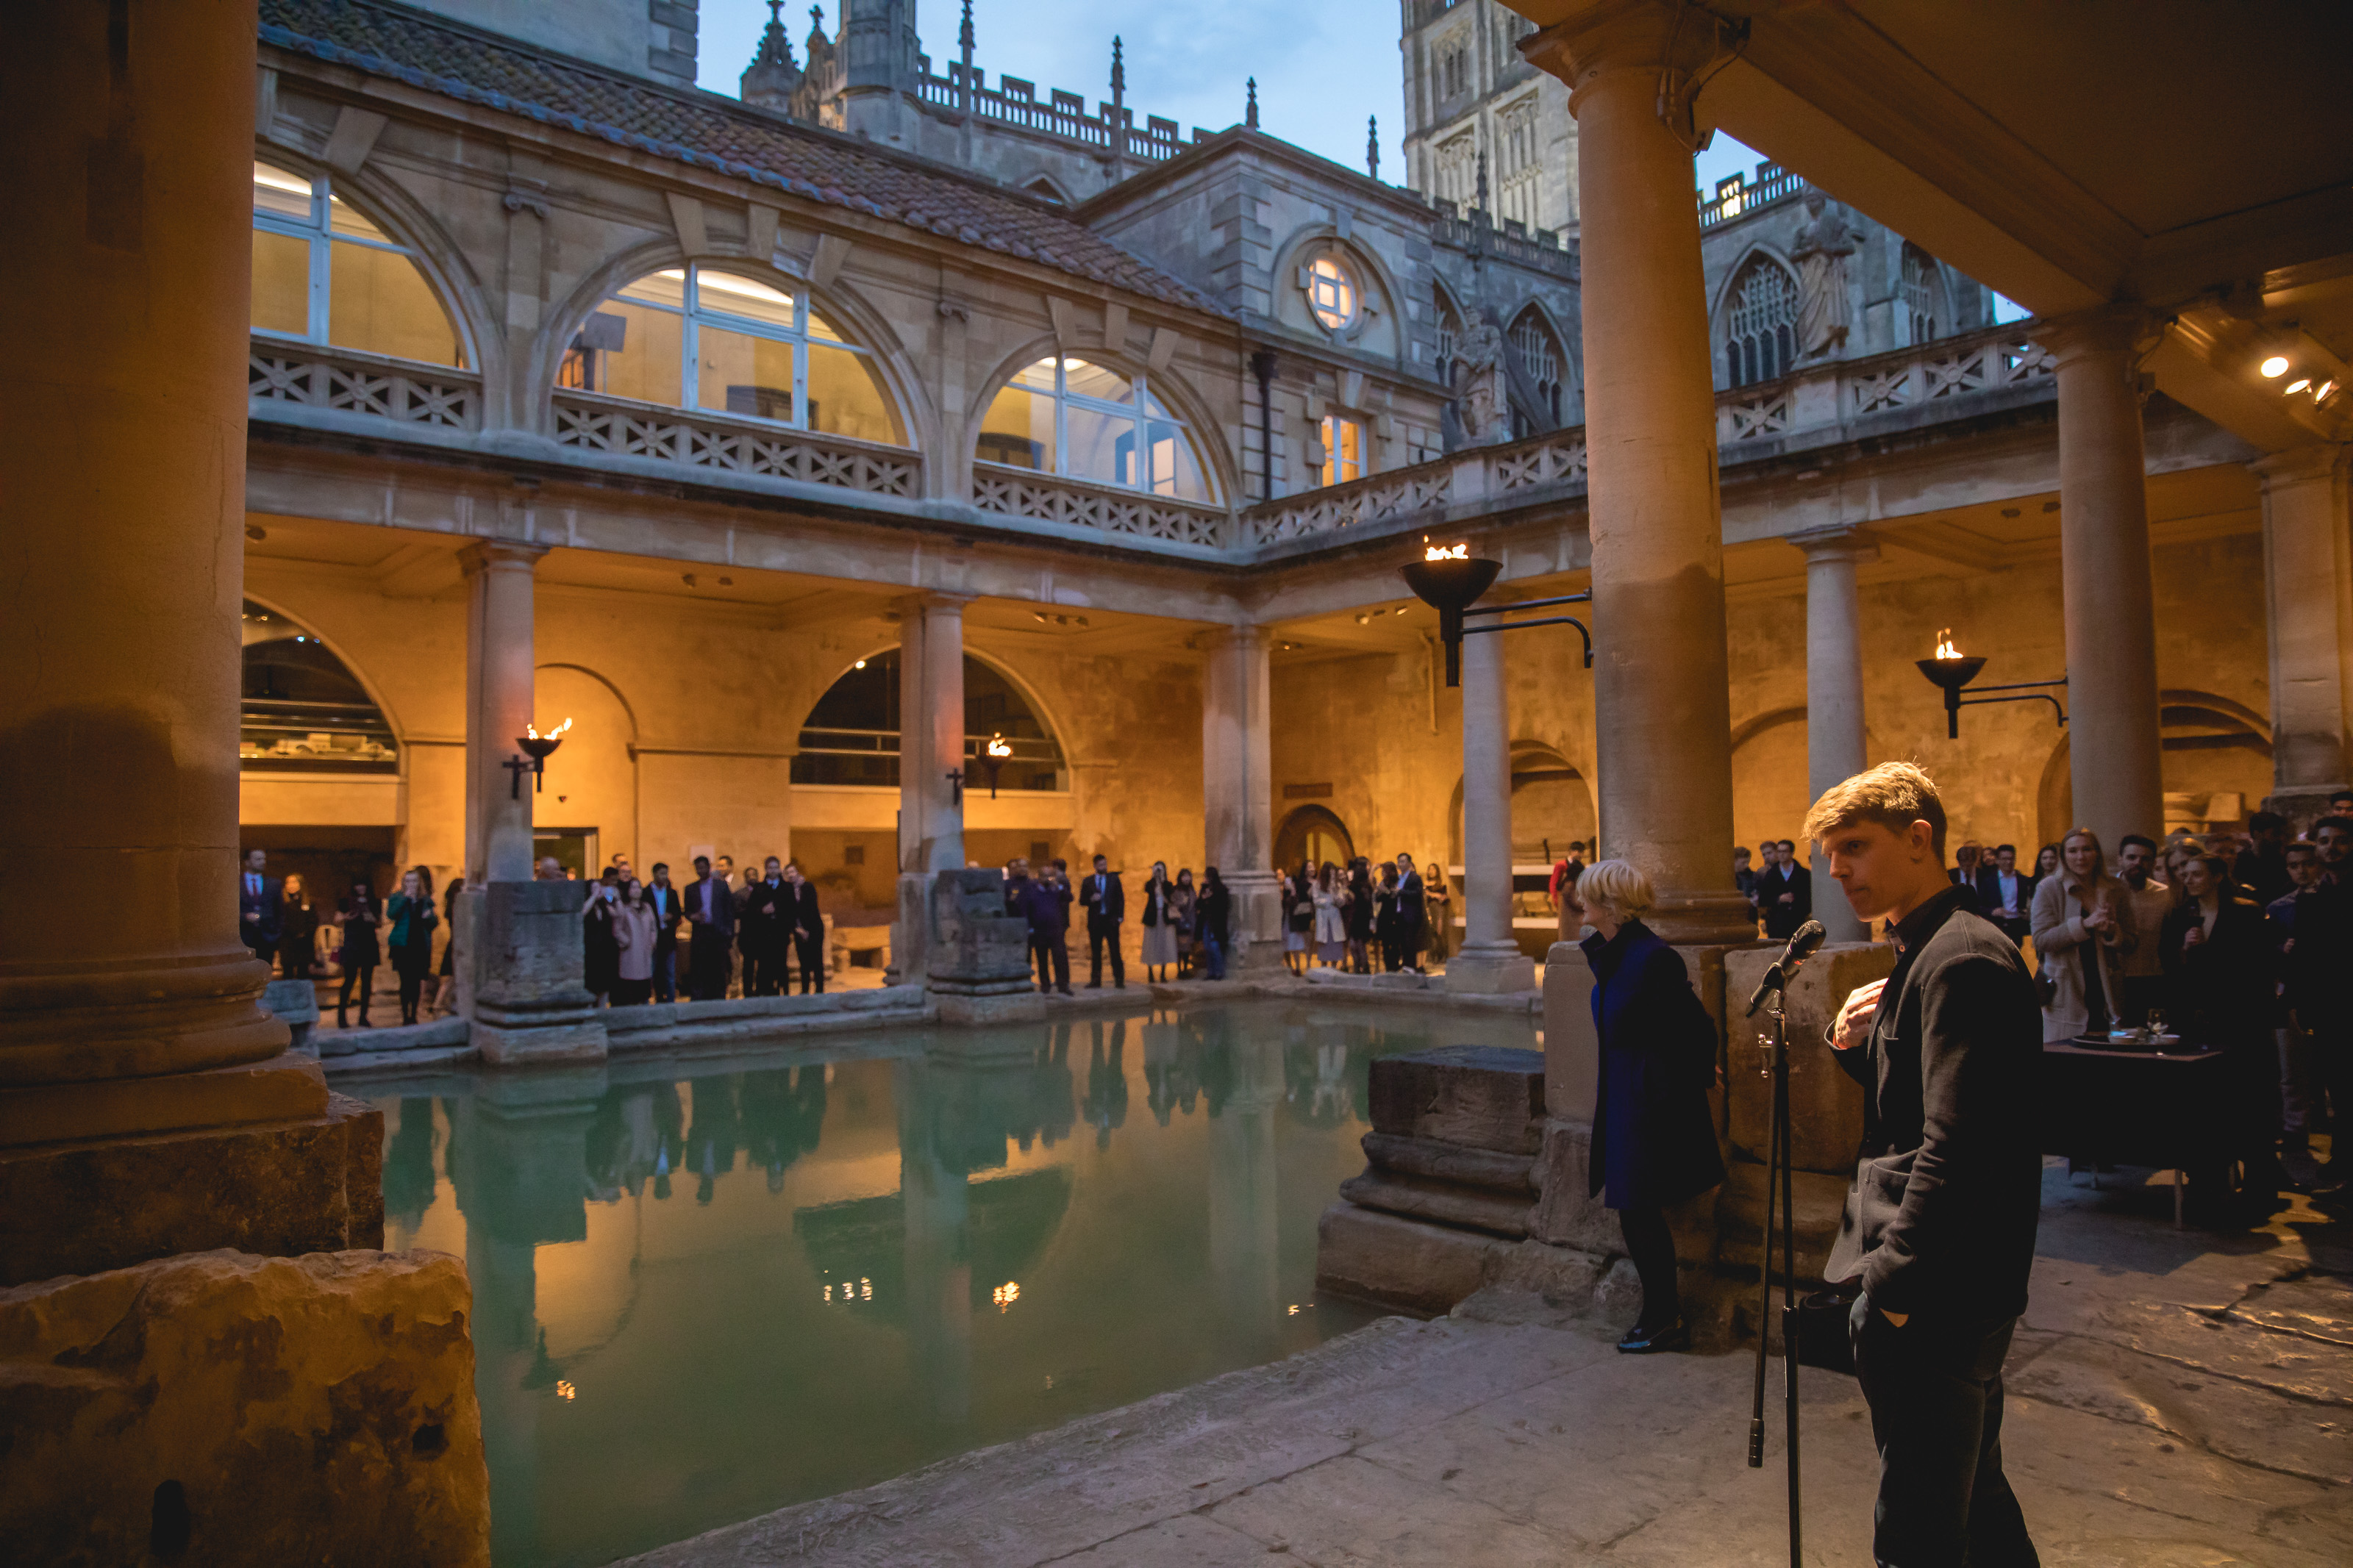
pixel 278 920
pixel 2238 941
pixel 1188 928
pixel 1364 913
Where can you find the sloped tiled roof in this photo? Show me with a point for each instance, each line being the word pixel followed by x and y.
pixel 707 131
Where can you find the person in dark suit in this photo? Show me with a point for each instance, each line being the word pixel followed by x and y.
pixel 1039 902
pixel 258 901
pixel 2006 894
pixel 808 930
pixel 2221 977
pixel 1786 892
pixel 1412 915
pixel 709 906
pixel 663 901
pixel 1106 906
pixel 764 918
pixel 1940 1220
pixel 1653 1140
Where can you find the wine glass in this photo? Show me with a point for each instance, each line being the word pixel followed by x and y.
pixel 2156 1023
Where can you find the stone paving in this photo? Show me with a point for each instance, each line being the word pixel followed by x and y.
pixel 2179 1399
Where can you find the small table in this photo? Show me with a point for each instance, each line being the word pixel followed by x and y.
pixel 2139 1108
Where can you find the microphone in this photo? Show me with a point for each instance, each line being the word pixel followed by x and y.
pixel 1802 943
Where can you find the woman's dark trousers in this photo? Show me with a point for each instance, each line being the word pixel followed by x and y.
pixel 1651 1246
pixel 364 976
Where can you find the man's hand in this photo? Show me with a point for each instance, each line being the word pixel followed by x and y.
pixel 252 917
pixel 1855 1017
pixel 1789 899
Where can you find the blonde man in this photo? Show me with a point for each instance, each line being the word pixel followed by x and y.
pixel 1939 1224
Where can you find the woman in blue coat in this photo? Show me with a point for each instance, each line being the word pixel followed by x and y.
pixel 1653 1138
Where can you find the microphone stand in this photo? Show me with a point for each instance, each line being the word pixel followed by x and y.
pixel 1778 1162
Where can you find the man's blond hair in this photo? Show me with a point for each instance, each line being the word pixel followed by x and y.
pixel 1893 794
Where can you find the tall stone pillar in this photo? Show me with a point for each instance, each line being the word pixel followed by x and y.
pixel 1835 748
pixel 126 147
pixel 1663 734
pixel 931 746
pixel 1237 789
pixel 520 938
pixel 2308 550
pixel 1491 960
pixel 2111 719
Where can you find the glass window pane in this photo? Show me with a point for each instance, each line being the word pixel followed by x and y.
pixel 379 303
pixel 281 283
pixel 666 287
pixel 1040 375
pixel 1085 380
pixel 1352 450
pixel 646 366
pixel 734 296
pixel 1176 466
pixel 1019 429
pixel 280 194
pixel 745 375
pixel 822 330
pixel 344 221
pixel 1102 447
pixel 846 397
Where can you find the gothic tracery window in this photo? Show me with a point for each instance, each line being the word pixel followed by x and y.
pixel 325 273
pixel 1923 293
pixel 1760 325
pixel 1539 353
pixel 1450 335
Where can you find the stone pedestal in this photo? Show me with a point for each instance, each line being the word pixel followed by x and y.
pixel 1825 1104
pixel 220 1408
pixel 978 969
pixel 295 1003
pixel 528 1004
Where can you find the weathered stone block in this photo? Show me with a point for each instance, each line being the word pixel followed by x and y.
pixel 1825 1105
pixel 228 1409
pixel 1740 1217
pixel 1448 1202
pixel 1563 1276
pixel 1483 1096
pixel 529 1004
pixel 295 1003
pixel 278 1189
pixel 1403 1263
pixel 1564 1214
pixel 1479 977
pixel 1505 1174
pixel 1572 1048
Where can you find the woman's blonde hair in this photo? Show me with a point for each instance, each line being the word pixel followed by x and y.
pixel 1618 884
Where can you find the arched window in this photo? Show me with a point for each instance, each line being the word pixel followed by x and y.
pixel 1331 293
pixel 323 273
pixel 851 736
pixel 1539 353
pixel 696 336
pixel 1924 294
pixel 1450 336
pixel 303 711
pixel 1091 422
pixel 1760 325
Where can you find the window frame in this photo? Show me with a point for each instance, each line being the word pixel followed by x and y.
pixel 318 231
pixel 1329 432
pixel 1340 279
pixel 693 315
pixel 1142 411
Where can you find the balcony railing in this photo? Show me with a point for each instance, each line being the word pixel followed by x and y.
pixel 1047 498
pixel 1474 228
pixel 1015 102
pixel 1950 371
pixel 1736 195
pixel 340 381
pixel 593 423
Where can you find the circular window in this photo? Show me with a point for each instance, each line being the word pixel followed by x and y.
pixel 1331 293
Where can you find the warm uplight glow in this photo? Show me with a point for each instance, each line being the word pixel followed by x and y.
pixel 2299 385
pixel 550 735
pixel 2319 394
pixel 998 746
pixel 1439 553
pixel 564 1389
pixel 2275 367
pixel 1005 1295
pixel 1945 649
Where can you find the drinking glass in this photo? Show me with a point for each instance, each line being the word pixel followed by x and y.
pixel 2155 1022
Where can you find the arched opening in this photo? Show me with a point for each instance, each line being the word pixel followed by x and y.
pixel 1760 323
pixel 302 709
pixel 851 736
pixel 1769 777
pixel 586 811
pixel 1922 287
pixel 700 337
pixel 1538 353
pixel 1094 422
pixel 1450 335
pixel 1315 835
pixel 2216 760
pixel 324 272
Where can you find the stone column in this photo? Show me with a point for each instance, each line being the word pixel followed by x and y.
pixel 931 743
pixel 128 156
pixel 1238 788
pixel 520 938
pixel 1663 737
pixel 1835 748
pixel 2112 720
pixel 1491 960
pixel 2307 536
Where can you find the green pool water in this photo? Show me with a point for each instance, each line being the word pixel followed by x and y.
pixel 709 1286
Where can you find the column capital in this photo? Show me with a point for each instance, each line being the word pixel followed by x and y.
pixel 932 599
pixel 2103 330
pixel 486 554
pixel 2301 465
pixel 1602 37
pixel 1839 542
pixel 1243 637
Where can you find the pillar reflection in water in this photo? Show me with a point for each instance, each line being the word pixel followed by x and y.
pixel 1244 1232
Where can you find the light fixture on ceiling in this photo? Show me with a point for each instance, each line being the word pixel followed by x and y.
pixel 859 665
pixel 2275 367
pixel 2296 385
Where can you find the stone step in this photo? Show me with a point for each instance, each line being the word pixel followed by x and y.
pixel 1448 1202
pixel 1502 1174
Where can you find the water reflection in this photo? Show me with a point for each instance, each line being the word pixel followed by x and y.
pixel 704 1290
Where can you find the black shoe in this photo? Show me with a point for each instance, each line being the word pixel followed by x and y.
pixel 1066 991
pixel 1119 985
pixel 1094 984
pixel 1668 1336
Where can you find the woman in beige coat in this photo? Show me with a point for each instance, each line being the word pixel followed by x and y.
pixel 2081 937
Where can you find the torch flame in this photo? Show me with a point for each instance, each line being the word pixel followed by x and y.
pixel 552 734
pixel 998 746
pixel 1945 649
pixel 1439 553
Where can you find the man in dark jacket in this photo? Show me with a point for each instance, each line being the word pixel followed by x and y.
pixel 1785 893
pixel 710 905
pixel 663 899
pixel 1940 1221
pixel 258 901
pixel 1039 902
pixel 1106 907
pixel 2006 894
pixel 764 922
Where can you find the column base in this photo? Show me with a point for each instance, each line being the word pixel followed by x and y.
pixel 2302 805
pixel 286 1087
pixel 1010 1005
pixel 1482 970
pixel 549 1039
pixel 311 1183
pixel 1703 920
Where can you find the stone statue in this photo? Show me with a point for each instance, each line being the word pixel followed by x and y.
pixel 1820 250
pixel 1482 383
